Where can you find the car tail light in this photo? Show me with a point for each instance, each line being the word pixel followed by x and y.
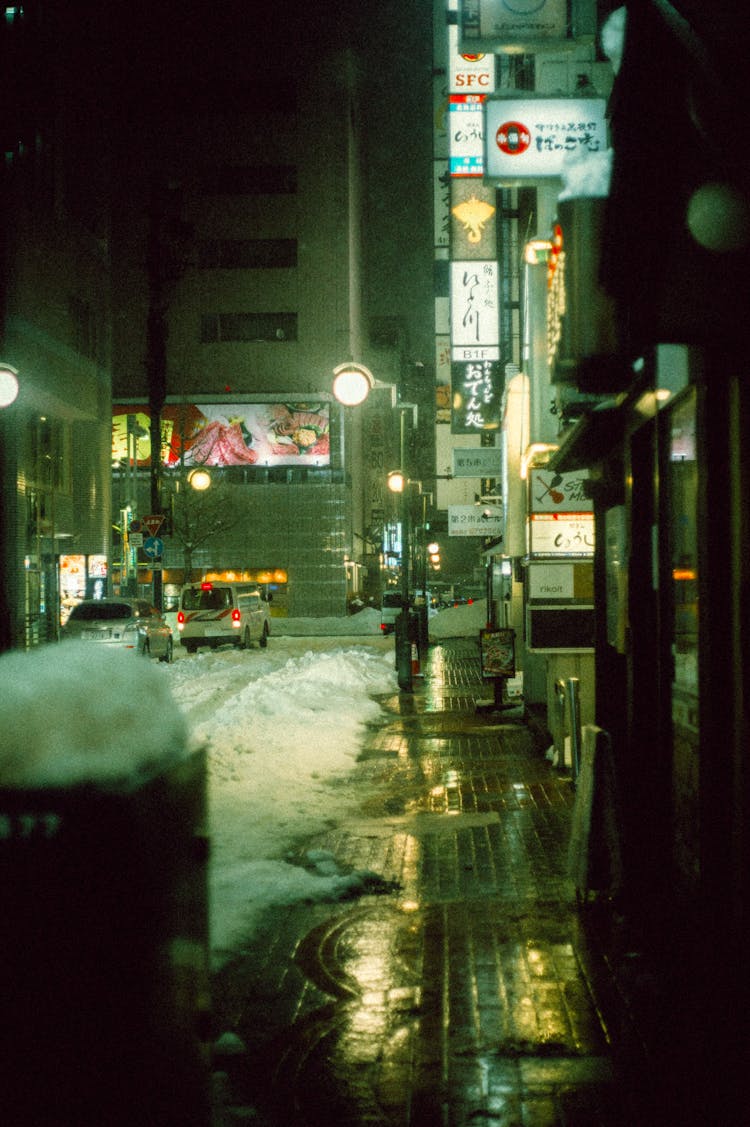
pixel 207 586
pixel 180 619
pixel 236 617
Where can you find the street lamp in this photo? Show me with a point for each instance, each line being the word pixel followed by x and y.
pixel 352 383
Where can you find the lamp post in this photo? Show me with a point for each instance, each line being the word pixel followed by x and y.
pixel 8 506
pixel 352 383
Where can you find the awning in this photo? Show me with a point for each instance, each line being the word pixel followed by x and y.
pixel 595 436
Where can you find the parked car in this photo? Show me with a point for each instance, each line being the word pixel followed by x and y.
pixel 132 624
pixel 215 613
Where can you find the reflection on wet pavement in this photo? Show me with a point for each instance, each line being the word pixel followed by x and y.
pixel 468 993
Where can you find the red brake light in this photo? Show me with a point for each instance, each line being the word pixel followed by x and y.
pixel 236 616
pixel 181 617
pixel 207 586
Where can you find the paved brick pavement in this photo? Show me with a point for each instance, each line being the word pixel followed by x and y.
pixel 468 988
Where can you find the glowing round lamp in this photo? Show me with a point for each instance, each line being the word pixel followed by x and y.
pixel 396 481
pixel 199 479
pixel 352 383
pixel 8 385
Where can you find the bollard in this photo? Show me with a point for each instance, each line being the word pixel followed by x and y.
pixel 574 708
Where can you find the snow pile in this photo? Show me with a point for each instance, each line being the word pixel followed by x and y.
pixel 463 621
pixel 81 713
pixel 366 621
pixel 283 730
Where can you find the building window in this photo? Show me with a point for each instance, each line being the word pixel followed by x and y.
pixel 254 180
pixel 260 327
pixel 248 254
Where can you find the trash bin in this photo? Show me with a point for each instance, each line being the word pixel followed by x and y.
pixel 104 966
pixel 103 911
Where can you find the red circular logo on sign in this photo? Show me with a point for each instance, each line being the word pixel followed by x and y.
pixel 513 138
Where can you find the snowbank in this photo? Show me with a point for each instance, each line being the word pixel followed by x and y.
pixel 366 621
pixel 464 621
pixel 79 713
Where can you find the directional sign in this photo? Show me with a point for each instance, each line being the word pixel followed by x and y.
pixel 152 523
pixel 153 546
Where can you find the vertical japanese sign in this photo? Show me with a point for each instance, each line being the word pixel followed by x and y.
pixel 476 396
pixel 466 134
pixel 475 311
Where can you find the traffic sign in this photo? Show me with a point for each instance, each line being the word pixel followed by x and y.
pixel 153 546
pixel 152 523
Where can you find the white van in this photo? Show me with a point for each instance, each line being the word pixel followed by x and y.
pixel 215 613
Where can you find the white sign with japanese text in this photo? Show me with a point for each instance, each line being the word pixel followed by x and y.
pixel 482 461
pixel 569 534
pixel 473 520
pixel 466 134
pixel 528 138
pixel 475 304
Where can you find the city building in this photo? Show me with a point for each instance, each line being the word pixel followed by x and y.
pixel 54 320
pixel 254 252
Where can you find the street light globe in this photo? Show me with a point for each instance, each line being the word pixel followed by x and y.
pixel 352 384
pixel 8 385
pixel 199 480
pixel 433 548
pixel 396 481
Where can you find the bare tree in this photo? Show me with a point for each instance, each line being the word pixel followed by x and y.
pixel 198 517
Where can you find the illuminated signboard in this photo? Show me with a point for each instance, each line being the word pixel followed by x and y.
pixel 525 26
pixel 223 434
pixel 475 310
pixel 528 138
pixel 561 534
pixel 466 134
pixel 470 73
pixel 476 396
pixel 473 225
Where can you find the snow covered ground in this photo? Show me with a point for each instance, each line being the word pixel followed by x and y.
pixel 282 728
pixel 279 725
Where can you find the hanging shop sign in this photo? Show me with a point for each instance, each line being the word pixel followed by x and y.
pixel 225 434
pixel 525 26
pixel 473 226
pixel 476 396
pixel 466 134
pixel 441 191
pixel 475 303
pixel 473 73
pixel 551 492
pixel 473 520
pixel 478 461
pixel 561 534
pixel 527 139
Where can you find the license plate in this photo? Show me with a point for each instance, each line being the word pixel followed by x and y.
pixel 213 631
pixel 96 635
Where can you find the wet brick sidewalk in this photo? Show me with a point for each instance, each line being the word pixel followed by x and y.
pixel 468 988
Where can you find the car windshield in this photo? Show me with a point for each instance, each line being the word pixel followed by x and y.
pixel 393 600
pixel 101 612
